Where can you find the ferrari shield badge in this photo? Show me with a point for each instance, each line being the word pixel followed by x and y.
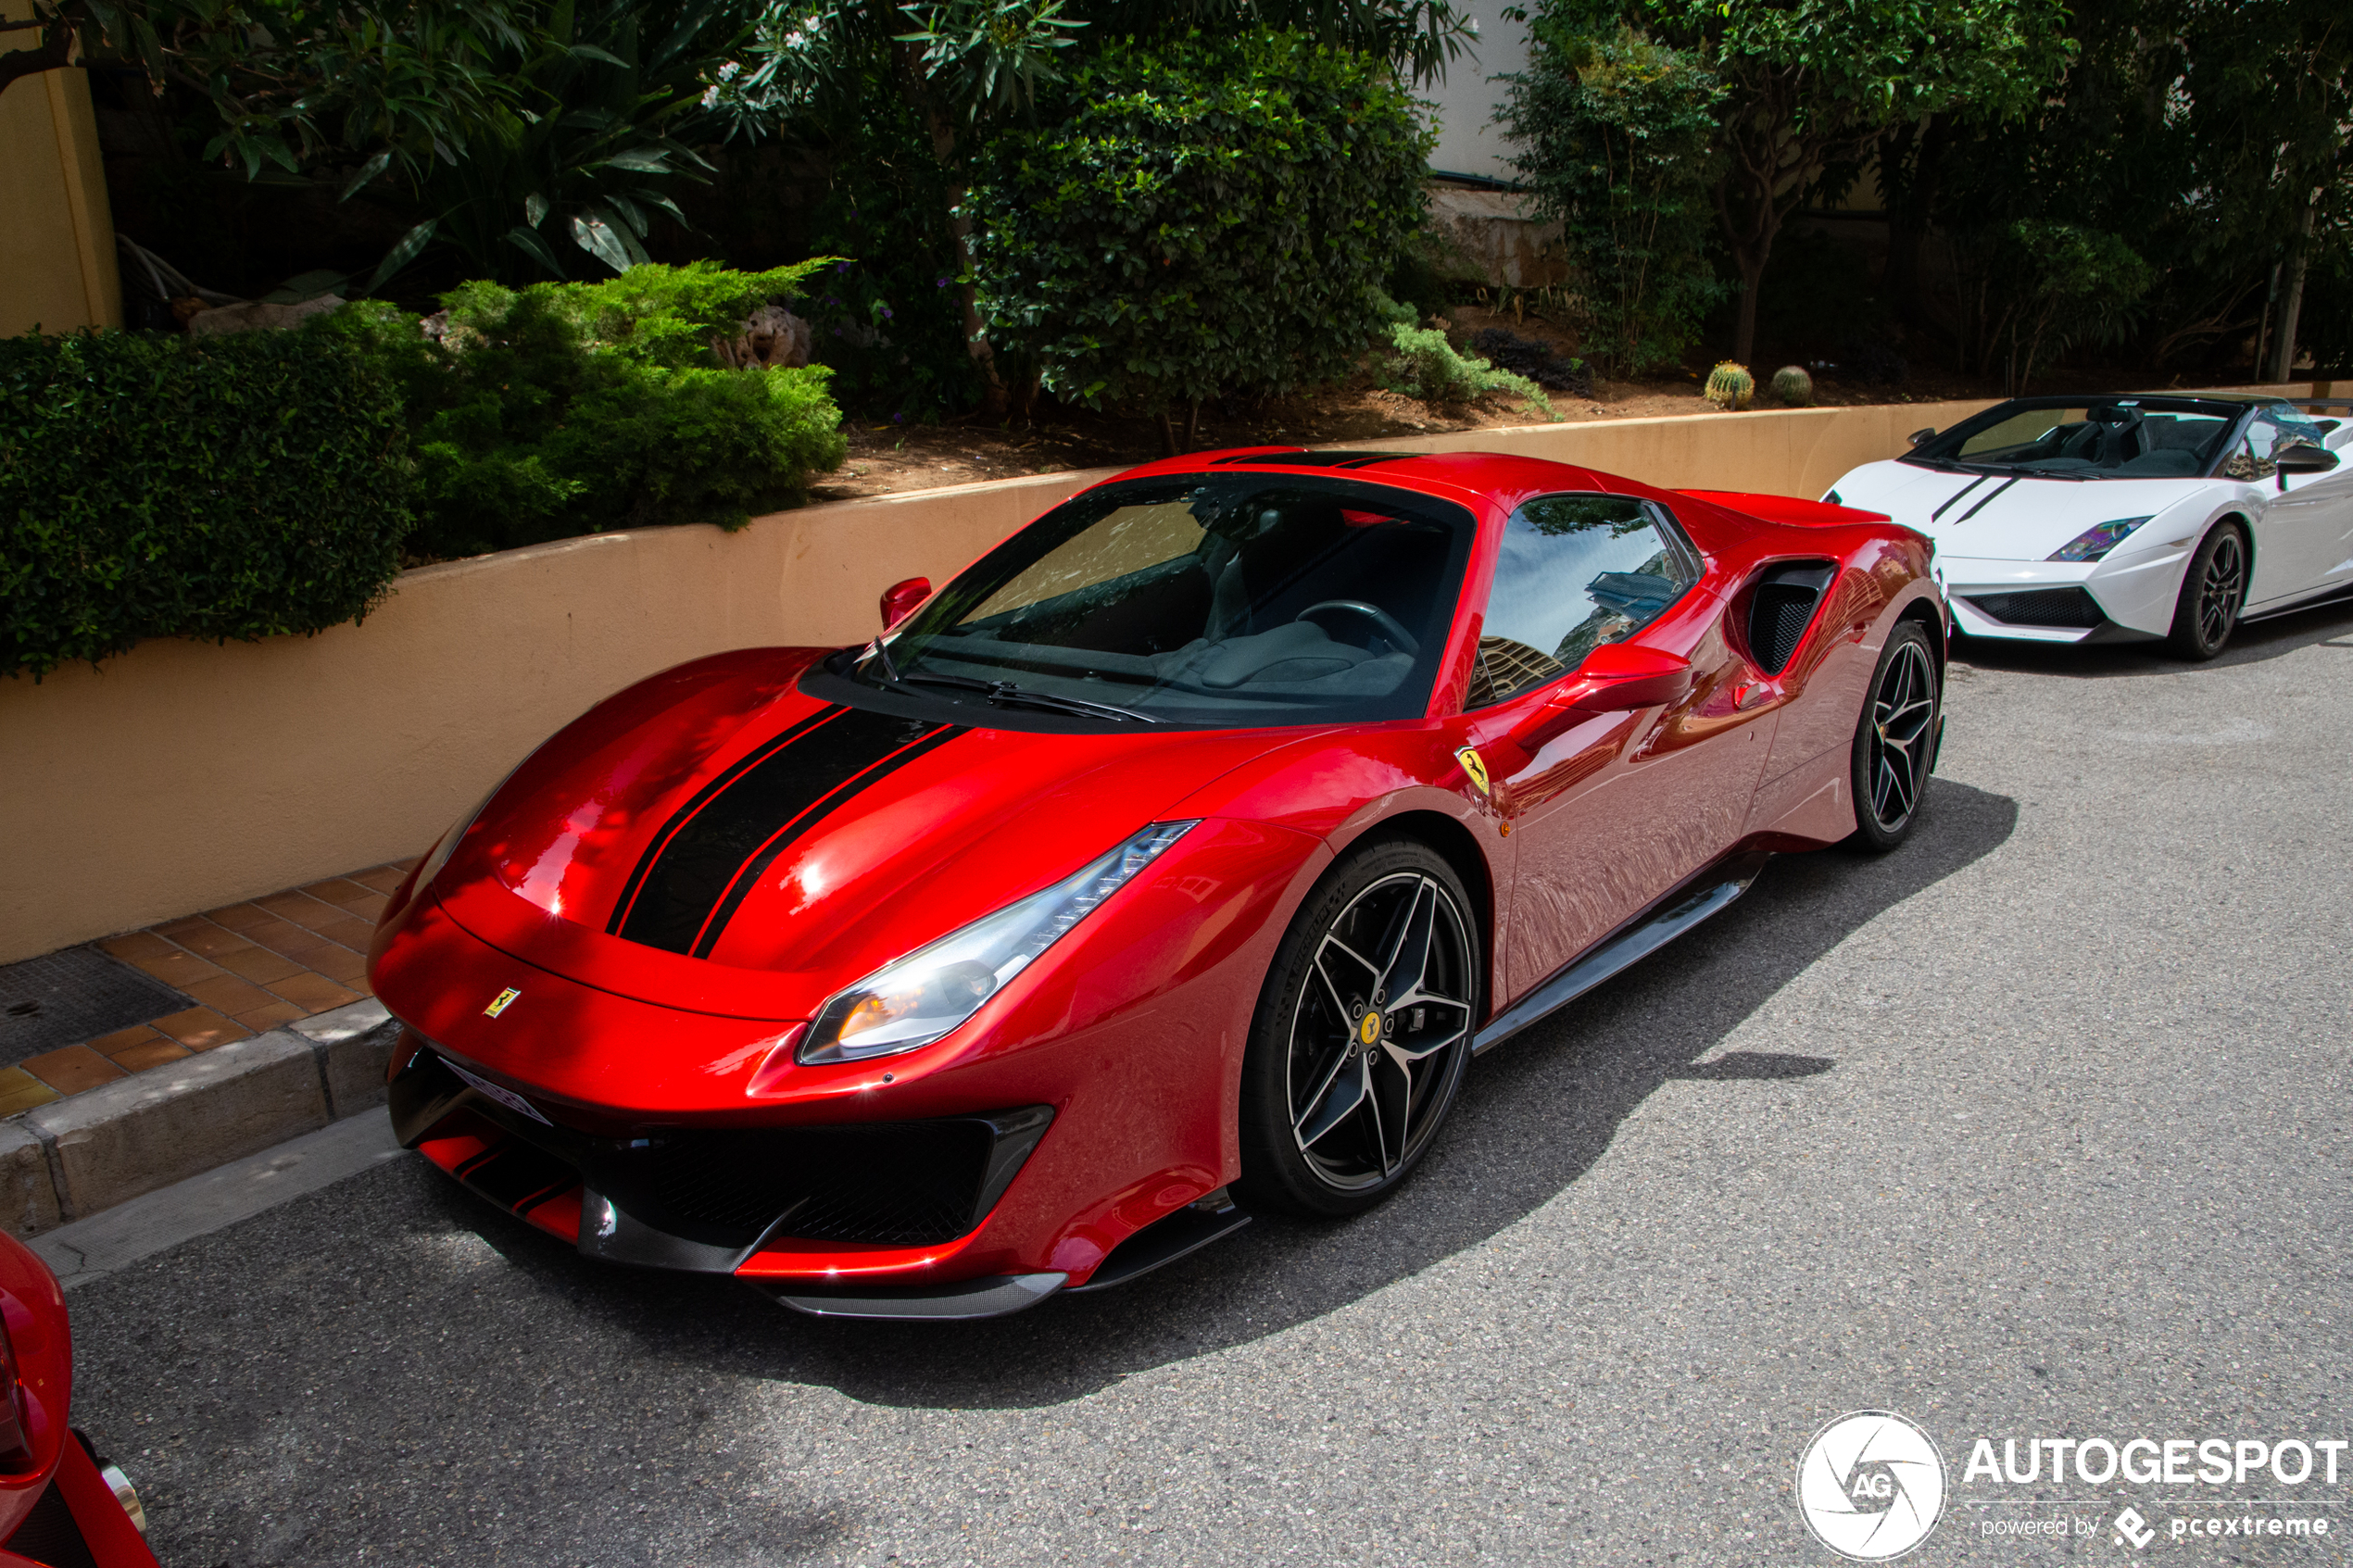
pixel 501 1003
pixel 1477 769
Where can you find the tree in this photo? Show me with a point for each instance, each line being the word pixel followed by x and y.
pixel 1617 142
pixel 534 135
pixel 969 69
pixel 1200 217
pixel 1811 85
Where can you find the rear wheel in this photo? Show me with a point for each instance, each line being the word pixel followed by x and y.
pixel 1361 1034
pixel 1896 740
pixel 2212 592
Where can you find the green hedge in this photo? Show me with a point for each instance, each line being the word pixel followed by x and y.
pixel 1201 215
pixel 568 408
pixel 237 486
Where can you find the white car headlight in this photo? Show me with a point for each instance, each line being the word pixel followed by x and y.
pixel 914 1000
pixel 2096 540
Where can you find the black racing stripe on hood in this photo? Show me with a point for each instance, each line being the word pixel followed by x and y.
pixel 715 846
pixel 703 797
pixel 761 859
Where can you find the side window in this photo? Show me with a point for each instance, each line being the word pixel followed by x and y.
pixel 1575 572
pixel 2266 433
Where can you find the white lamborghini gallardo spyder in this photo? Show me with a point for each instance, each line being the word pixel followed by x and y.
pixel 2116 519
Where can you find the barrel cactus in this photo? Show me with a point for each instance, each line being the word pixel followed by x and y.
pixel 1792 387
pixel 1730 386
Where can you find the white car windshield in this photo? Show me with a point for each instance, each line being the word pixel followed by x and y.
pixel 2088 438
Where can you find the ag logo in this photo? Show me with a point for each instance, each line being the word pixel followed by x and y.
pixel 1475 768
pixel 1870 1485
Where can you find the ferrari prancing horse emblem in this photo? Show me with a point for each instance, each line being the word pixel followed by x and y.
pixel 1472 764
pixel 500 1002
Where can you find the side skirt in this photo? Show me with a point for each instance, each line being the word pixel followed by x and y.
pixel 1709 893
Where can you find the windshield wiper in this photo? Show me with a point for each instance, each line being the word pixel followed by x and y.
pixel 1006 692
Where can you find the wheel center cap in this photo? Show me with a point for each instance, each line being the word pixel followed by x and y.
pixel 1367 1029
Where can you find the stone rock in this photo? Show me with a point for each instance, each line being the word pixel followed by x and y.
pixel 1496 235
pixel 257 316
pixel 772 338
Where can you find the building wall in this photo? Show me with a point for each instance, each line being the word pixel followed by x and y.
pixel 56 237
pixel 1467 101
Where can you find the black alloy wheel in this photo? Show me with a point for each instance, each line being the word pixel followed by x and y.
pixel 1897 739
pixel 1362 1033
pixel 2213 590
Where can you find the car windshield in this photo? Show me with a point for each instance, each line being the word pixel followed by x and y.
pixel 1216 601
pixel 2093 438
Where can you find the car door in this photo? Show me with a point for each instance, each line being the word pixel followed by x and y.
pixel 1620 807
pixel 2304 539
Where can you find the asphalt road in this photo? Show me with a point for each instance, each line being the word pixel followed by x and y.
pixel 2034 1129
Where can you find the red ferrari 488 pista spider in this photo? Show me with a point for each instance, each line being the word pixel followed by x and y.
pixel 1172 861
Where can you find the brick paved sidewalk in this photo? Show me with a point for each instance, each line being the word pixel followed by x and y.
pixel 248 968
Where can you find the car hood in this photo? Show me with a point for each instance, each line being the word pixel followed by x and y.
pixel 1998 518
pixel 716 839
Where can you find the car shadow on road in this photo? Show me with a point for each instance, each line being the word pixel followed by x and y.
pixel 2325 625
pixel 1534 1117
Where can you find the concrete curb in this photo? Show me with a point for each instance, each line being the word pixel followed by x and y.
pixel 73 1158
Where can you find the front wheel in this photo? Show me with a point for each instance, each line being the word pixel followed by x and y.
pixel 1896 740
pixel 2212 591
pixel 1362 1033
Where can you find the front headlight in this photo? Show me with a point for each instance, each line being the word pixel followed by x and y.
pixel 2096 540
pixel 914 1000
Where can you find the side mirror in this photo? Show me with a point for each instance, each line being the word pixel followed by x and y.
pixel 899 600
pixel 1621 676
pixel 1614 678
pixel 1920 436
pixel 2301 459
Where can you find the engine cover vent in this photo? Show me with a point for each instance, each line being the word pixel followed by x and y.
pixel 1781 606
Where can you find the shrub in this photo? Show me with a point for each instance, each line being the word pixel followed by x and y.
pixel 1423 364
pixel 568 408
pixel 1200 216
pixel 1618 134
pixel 1534 358
pixel 1792 387
pixel 237 486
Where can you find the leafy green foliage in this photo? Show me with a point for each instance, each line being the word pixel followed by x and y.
pixel 2203 134
pixel 242 487
pixel 536 138
pixel 1203 217
pixel 1618 142
pixel 1534 358
pixel 565 180
pixel 1730 386
pixel 560 409
pixel 2034 288
pixel 1422 364
pixel 1809 85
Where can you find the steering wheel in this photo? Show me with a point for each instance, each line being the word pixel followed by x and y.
pixel 1388 625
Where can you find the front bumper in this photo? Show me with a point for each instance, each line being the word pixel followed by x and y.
pixel 2112 600
pixel 803 1211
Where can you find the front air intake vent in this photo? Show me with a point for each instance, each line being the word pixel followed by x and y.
pixel 2041 606
pixel 1781 606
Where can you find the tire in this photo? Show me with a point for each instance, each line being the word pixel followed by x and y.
pixel 1333 1122
pixel 2213 592
pixel 1897 739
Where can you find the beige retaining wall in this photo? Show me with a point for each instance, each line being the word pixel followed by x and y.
pixel 183 776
